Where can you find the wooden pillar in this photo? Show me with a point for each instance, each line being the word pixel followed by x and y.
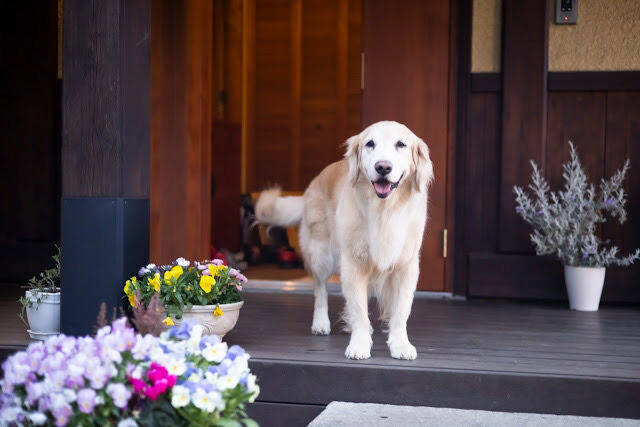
pixel 105 154
pixel 181 81
pixel 524 110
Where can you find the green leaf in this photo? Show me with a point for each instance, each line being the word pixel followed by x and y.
pixel 249 422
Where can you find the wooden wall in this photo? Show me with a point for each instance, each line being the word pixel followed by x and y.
pixel 181 84
pixel 302 88
pixel 605 127
pixel 29 139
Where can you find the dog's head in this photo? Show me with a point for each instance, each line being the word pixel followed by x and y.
pixel 387 154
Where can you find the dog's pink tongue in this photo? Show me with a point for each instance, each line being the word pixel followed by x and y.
pixel 382 187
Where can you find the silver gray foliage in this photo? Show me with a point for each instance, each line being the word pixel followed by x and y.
pixel 565 222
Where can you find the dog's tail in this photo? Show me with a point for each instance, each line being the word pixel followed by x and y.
pixel 275 210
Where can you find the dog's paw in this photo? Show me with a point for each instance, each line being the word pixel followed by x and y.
pixel 359 347
pixel 357 352
pixel 404 351
pixel 321 327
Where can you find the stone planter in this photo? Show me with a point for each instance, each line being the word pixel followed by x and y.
pixel 43 316
pixel 584 287
pixel 214 325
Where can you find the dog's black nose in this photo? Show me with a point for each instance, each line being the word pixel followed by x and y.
pixel 383 167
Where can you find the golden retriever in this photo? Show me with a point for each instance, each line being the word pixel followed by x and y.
pixel 363 217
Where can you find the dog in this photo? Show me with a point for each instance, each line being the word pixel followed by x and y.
pixel 363 217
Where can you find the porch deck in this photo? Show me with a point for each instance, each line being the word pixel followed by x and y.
pixel 480 354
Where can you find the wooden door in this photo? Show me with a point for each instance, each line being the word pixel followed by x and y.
pixel 406 78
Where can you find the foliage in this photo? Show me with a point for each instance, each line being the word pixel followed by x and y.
pixel 47 282
pixel 122 378
pixel 565 223
pixel 181 285
pixel 148 318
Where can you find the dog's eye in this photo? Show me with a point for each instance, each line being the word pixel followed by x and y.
pixel 370 144
pixel 400 144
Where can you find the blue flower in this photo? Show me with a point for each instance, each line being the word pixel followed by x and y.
pixel 183 331
pixel 234 352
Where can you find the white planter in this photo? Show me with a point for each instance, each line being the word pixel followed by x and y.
pixel 214 325
pixel 43 317
pixel 584 287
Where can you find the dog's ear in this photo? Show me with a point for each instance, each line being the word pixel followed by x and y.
pixel 423 165
pixel 353 158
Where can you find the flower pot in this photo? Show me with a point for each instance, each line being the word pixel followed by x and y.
pixel 584 287
pixel 214 325
pixel 43 316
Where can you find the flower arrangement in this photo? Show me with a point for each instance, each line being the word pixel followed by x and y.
pixel 182 284
pixel 565 222
pixel 122 378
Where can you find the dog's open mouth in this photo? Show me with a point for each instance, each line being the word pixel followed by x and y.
pixel 384 187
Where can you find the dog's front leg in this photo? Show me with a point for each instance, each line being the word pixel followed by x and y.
pixel 354 287
pixel 404 281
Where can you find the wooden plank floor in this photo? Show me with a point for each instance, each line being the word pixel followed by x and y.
pixel 481 335
pixel 479 354
pixel 13 333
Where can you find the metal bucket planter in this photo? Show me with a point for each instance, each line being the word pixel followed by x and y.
pixel 43 316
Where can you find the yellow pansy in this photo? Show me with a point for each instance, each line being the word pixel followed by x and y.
pixel 133 301
pixel 214 270
pixel 155 282
pixel 174 273
pixel 217 312
pixel 206 282
pixel 127 288
pixel 168 321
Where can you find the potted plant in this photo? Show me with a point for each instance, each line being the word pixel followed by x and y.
pixel 120 378
pixel 565 223
pixel 41 302
pixel 209 292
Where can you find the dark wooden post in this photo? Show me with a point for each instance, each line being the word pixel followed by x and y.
pixel 105 154
pixel 524 110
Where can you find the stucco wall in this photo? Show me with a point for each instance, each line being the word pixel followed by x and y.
pixel 606 38
pixel 486 35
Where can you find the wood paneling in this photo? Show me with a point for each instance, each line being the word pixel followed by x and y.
pixel 605 127
pixel 623 142
pixel 482 179
pixel 524 100
pixel 303 84
pixel 181 72
pixel 225 199
pixel 406 79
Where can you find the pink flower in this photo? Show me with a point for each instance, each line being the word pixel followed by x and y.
pixel 137 384
pixel 238 287
pixel 217 262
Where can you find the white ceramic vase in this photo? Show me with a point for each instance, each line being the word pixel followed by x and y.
pixel 584 287
pixel 214 325
pixel 43 316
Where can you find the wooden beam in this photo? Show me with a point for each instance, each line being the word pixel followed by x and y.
pixel 248 93
pixel 524 110
pixel 296 92
pixel 342 74
pixel 105 154
pixel 181 129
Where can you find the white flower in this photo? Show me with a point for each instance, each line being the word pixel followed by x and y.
pixel 128 422
pixel 193 343
pixel 99 400
pixel 182 262
pixel 251 384
pixel 211 378
pixel 180 396
pixel 9 414
pixel 207 402
pixel 69 395
pixel 227 382
pixel 176 366
pixel 37 418
pixel 151 266
pixel 215 353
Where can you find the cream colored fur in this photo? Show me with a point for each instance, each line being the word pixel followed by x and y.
pixel 374 243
